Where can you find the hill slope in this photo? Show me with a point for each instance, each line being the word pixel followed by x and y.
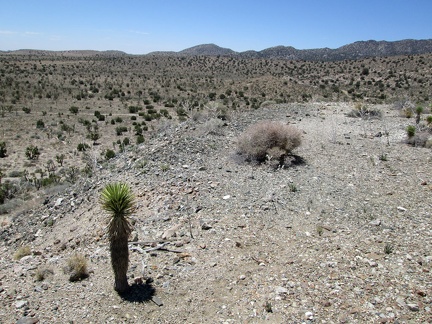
pixel 218 239
pixel 353 51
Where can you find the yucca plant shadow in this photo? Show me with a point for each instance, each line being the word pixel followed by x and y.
pixel 139 293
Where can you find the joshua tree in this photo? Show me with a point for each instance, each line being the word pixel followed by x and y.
pixel 419 111
pixel 118 200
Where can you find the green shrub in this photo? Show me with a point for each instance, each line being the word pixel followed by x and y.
pixel 419 110
pixel 268 140
pixel 411 130
pixel 109 154
pixel 120 130
pixel 32 152
pixel 82 147
pixel 40 124
pixel 74 110
pixel 140 139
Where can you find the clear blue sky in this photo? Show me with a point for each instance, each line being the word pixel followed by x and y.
pixel 143 26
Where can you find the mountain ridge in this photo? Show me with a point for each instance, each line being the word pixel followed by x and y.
pixel 356 50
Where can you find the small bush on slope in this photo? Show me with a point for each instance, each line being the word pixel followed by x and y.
pixel 268 140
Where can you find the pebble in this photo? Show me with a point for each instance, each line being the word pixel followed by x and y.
pixel 375 222
pixel 157 301
pixel 309 315
pixel 401 302
pixel 413 307
pixel 58 202
pixel 20 304
pixel 281 290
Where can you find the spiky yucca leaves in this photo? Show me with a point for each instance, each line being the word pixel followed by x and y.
pixel 118 200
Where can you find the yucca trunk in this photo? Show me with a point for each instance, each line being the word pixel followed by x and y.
pixel 118 199
pixel 120 262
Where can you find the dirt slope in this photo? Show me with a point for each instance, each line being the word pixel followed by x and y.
pixel 247 244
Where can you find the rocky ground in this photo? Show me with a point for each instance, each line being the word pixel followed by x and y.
pixel 341 236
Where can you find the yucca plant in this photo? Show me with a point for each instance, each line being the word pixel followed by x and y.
pixel 411 130
pixel 419 111
pixel 118 200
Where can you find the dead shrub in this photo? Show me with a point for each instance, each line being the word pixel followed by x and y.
pixel 268 140
pixel 77 268
pixel 363 111
pixel 22 252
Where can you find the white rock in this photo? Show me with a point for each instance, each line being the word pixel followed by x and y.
pixel 226 197
pixel 281 290
pixel 58 202
pixel 375 222
pixel 20 304
pixel 400 208
pixel 309 315
pixel 413 307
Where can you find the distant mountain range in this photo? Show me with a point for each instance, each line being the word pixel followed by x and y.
pixel 357 50
pixel 351 51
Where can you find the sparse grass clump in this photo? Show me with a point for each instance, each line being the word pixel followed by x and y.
pixel 268 140
pixel 77 268
pixel 42 273
pixel 388 248
pixel 22 252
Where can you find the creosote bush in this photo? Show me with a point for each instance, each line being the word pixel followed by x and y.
pixel 268 140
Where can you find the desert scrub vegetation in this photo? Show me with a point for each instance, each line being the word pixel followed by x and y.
pixel 22 252
pixel 419 136
pixel 364 111
pixel 42 272
pixel 77 268
pixel 268 140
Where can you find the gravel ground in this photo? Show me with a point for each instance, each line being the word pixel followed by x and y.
pixel 342 236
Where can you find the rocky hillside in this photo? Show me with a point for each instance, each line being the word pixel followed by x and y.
pixel 340 236
pixel 354 51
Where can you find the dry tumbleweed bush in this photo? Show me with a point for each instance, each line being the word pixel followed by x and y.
pixel 77 268
pixel 268 140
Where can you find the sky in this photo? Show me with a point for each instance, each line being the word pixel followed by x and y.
pixel 143 26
